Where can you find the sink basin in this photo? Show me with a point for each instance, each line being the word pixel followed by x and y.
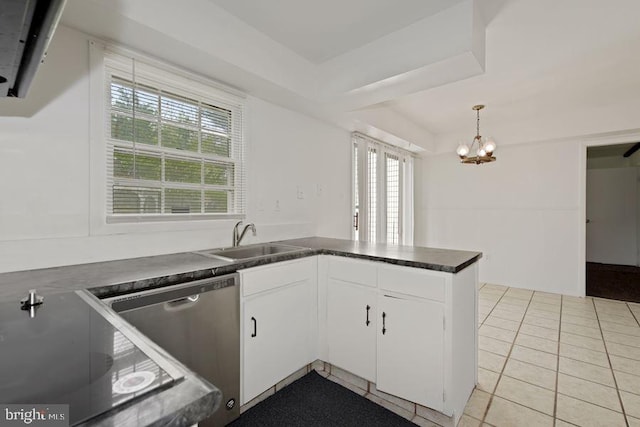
pixel 254 251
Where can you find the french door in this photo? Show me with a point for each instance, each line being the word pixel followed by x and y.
pixel 382 192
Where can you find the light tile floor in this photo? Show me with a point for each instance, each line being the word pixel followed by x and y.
pixel 555 360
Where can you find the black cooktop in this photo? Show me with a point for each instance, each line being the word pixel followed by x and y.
pixel 70 354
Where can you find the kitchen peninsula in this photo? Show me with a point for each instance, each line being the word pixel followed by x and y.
pixel 420 322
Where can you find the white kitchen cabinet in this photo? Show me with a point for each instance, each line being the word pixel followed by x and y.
pixel 279 323
pixel 438 343
pixel 410 349
pixel 428 351
pixel 351 328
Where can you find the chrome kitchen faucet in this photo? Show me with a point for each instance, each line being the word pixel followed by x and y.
pixel 237 238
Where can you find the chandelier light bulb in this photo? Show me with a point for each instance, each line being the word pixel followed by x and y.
pixel 489 146
pixel 462 150
pixel 482 152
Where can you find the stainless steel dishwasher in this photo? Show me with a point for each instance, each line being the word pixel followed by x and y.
pixel 199 324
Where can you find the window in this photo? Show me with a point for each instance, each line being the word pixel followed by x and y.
pixel 382 192
pixel 174 145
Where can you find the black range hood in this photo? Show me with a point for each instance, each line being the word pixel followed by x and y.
pixel 26 27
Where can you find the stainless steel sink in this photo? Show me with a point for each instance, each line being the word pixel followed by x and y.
pixel 253 251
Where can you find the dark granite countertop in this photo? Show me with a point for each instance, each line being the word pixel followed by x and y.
pixel 110 278
pixel 447 260
pixel 137 272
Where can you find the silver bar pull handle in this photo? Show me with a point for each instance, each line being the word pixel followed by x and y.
pixel 181 303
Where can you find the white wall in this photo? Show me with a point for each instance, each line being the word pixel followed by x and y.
pixel 522 212
pixel 612 211
pixel 44 171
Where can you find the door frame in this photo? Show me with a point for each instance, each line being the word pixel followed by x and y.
pixel 612 138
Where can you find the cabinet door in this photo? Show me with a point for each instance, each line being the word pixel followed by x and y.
pixel 351 328
pixel 277 336
pixel 411 349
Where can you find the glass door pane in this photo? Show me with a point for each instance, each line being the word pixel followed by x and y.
pixel 393 198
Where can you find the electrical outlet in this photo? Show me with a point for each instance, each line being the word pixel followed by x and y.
pixel 300 192
pixel 319 190
pixel 277 206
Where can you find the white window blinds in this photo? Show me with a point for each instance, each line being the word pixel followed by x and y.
pixel 372 193
pixel 392 165
pixel 174 145
pixel 383 192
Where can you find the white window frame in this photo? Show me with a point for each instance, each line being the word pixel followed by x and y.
pixel 103 57
pixel 363 143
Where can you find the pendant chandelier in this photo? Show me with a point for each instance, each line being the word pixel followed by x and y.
pixel 484 147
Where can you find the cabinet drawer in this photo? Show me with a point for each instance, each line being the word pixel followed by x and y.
pixel 353 270
pixel 272 276
pixel 413 281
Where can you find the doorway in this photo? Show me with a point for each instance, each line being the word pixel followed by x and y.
pixel 613 222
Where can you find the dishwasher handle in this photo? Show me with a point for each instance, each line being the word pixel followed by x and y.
pixel 181 303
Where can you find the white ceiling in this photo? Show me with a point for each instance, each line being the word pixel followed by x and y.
pixel 556 66
pixel 320 30
pixel 544 58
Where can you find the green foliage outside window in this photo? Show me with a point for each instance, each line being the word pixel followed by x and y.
pixel 216 201
pixel 126 165
pixel 182 171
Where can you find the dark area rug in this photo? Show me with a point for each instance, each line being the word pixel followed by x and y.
pixel 621 282
pixel 316 401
